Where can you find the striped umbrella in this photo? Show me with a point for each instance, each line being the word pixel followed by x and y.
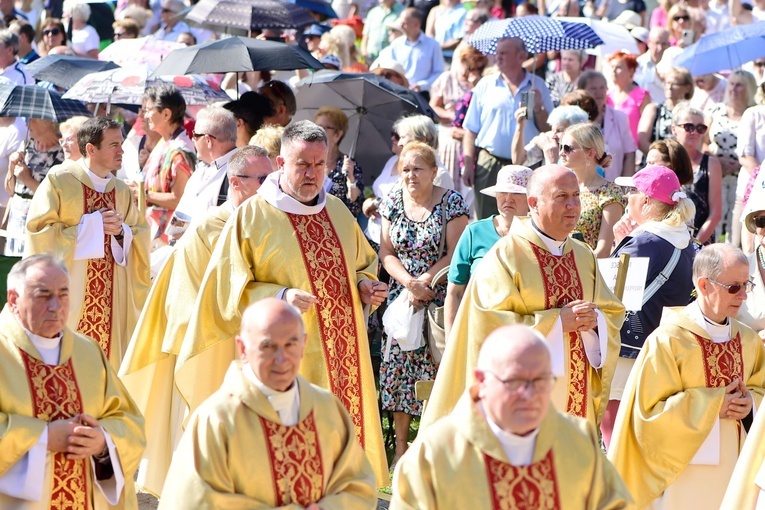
pixel 539 33
pixel 35 102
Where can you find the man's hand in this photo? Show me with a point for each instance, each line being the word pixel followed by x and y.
pixel 58 434
pixel 578 316
pixel 732 391
pixel 372 293
pixel 87 439
pixel 112 221
pixel 300 299
pixel 468 173
pixel 739 401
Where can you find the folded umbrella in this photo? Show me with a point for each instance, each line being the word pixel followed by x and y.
pixel 237 54
pixel 727 49
pixel 64 70
pixel 539 33
pixel 372 105
pixel 35 102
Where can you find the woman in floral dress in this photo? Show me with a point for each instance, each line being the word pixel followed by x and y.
pixel 414 218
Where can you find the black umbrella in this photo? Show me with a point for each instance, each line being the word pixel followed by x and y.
pixel 35 102
pixel 237 54
pixel 64 71
pixel 372 105
pixel 250 14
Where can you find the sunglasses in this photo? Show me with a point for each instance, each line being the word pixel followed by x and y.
pixel 389 75
pixel 759 222
pixel 395 136
pixel 567 149
pixel 759 64
pixel 690 128
pixel 681 17
pixel 261 178
pixel 735 289
pixel 197 136
pixel 51 31
pixel 165 11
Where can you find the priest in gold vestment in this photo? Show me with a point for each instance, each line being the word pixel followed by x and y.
pixel 538 276
pixel 504 446
pixel 295 242
pixel 268 438
pixel 679 430
pixel 150 361
pixel 86 216
pixel 70 435
pixel 746 490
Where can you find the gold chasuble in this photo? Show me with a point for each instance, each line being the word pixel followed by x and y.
pixel 148 370
pixel 263 250
pixel 105 297
pixel 237 454
pixel 458 463
pixel 34 393
pixel 746 490
pixel 668 437
pixel 520 282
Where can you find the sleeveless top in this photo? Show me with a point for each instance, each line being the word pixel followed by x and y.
pixel 662 124
pixel 698 192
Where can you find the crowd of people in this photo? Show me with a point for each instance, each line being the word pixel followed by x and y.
pixel 216 304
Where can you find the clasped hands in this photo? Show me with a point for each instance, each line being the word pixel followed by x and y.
pixel 578 316
pixel 79 437
pixel 112 221
pixel 737 403
pixel 420 291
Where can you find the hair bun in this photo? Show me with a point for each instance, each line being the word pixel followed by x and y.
pixel 605 160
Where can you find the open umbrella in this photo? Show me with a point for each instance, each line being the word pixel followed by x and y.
pixel 237 54
pixel 128 85
pixel 727 49
pixel 64 70
pixel 250 14
pixel 318 6
pixel 615 37
pixel 35 102
pixel 372 105
pixel 132 52
pixel 539 33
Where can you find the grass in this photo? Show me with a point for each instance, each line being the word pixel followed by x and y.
pixel 388 437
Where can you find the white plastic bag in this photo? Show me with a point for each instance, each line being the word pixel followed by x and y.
pixel 402 322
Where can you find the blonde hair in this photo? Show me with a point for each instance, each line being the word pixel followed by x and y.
pixel 420 149
pixel 751 86
pixel 336 45
pixel 336 116
pixel 677 215
pixel 270 138
pixel 72 124
pixel 588 136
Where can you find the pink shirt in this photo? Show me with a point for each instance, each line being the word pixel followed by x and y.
pixel 630 107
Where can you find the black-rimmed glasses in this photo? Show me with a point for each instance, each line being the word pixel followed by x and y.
pixel 261 178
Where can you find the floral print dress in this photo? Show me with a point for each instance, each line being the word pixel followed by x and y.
pixel 593 203
pixel 416 246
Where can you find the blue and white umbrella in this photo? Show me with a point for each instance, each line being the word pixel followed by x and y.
pixel 727 49
pixel 539 33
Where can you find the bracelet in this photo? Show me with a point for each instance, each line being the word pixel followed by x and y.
pixel 121 235
pixel 350 184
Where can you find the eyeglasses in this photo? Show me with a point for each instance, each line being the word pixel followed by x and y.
pixel 759 222
pixel 690 128
pixel 681 17
pixel 197 136
pixel 567 149
pixel 759 64
pixel 51 31
pixel 395 136
pixel 165 11
pixel 261 178
pixel 542 384
pixel 118 35
pixel 735 289
pixel 63 142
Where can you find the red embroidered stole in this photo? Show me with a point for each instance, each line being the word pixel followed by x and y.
pixel 325 264
pixel 55 396
pixel 723 362
pixel 532 487
pixel 295 457
pixel 563 285
pixel 96 315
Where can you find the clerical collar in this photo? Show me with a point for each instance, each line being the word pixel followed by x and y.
pixel 519 449
pixel 99 183
pixel 717 332
pixel 553 245
pixel 282 401
pixel 272 194
pixel 49 349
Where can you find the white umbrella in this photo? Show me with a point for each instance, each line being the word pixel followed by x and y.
pixel 615 37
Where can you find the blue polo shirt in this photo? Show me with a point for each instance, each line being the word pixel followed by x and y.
pixel 422 59
pixel 491 114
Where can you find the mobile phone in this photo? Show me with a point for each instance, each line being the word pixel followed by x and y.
pixel 527 101
pixel 688 36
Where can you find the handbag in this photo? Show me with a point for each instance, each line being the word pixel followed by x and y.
pixel 435 314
